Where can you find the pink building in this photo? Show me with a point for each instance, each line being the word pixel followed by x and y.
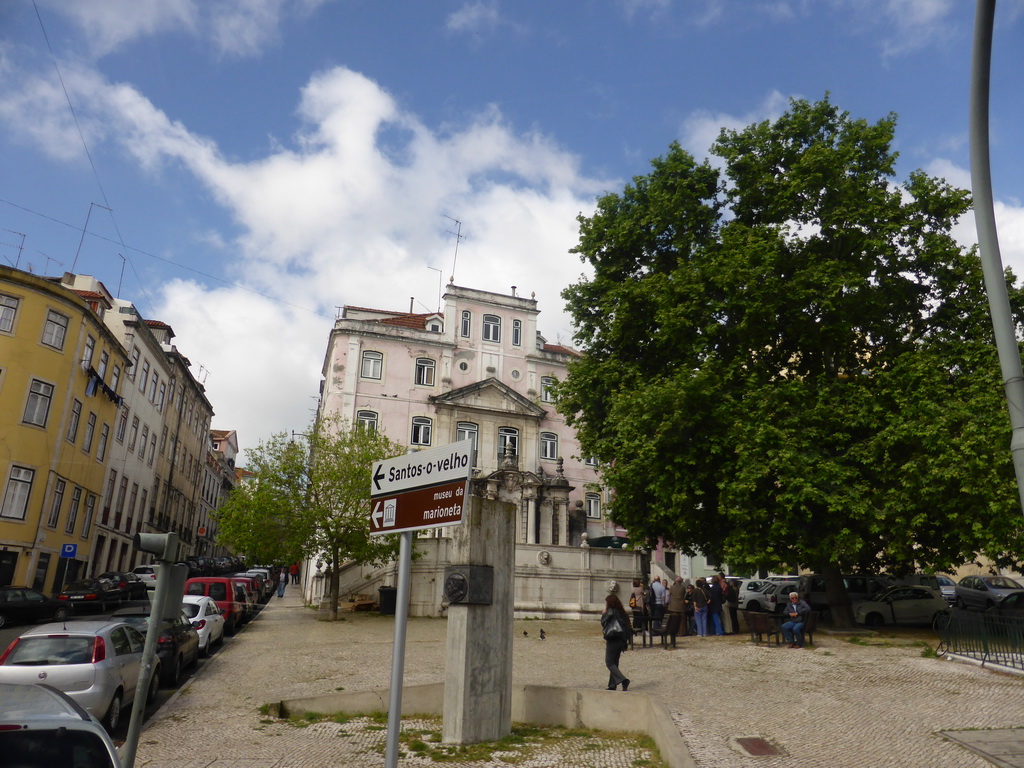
pixel 479 369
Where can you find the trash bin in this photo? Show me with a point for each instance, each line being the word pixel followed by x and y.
pixel 387 601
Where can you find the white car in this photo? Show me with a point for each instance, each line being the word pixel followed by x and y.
pixel 900 605
pixel 750 594
pixel 147 573
pixel 206 617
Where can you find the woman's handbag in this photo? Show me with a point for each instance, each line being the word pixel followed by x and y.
pixel 613 629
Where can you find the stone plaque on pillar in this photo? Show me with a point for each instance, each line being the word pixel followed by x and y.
pixel 478 663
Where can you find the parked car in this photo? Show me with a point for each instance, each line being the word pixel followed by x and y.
pixel 948 588
pixel 92 593
pixel 983 592
pixel 750 594
pixel 858 586
pixel 776 595
pixel 252 596
pixel 929 580
pixel 21 604
pixel 207 619
pixel 42 727
pixel 229 596
pixel 131 583
pixel 265 581
pixel 147 573
pixel 177 647
pixel 900 605
pixel 96 662
pixel 1011 605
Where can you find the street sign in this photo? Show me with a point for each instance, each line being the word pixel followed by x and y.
pixel 420 490
pixel 69 550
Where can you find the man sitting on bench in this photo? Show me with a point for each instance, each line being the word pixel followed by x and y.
pixel 796 616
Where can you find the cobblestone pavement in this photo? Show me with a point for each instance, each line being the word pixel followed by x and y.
pixel 842 704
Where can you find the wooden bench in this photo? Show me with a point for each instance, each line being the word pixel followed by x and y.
pixel 648 628
pixel 762 626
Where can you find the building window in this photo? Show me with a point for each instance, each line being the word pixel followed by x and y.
pixel 508 442
pixel 55 330
pixel 492 328
pixel 548 445
pixel 133 434
pixel 593 505
pixel 466 327
pixel 122 424
pixel 90 350
pixel 104 362
pixel 19 487
pixel 38 406
pixel 160 398
pixel 590 461
pixel 421 427
pixel 8 310
pixel 115 377
pixel 101 446
pixel 425 371
pixel 372 366
pixel 152 448
pixel 136 353
pixel 76 502
pixel 122 491
pixel 163 441
pixel 73 419
pixel 434 326
pixel 56 503
pixel 144 377
pixel 90 431
pixel 546 384
pixel 517 333
pixel 90 511
pixel 145 439
pixel 367 420
pixel 154 387
pixel 467 430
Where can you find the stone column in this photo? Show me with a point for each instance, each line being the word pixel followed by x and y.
pixel 478 663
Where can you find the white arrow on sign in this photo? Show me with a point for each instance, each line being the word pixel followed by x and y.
pixel 378 514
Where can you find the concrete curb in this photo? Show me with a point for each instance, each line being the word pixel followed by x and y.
pixel 538 704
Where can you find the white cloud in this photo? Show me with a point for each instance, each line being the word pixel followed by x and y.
pixel 235 27
pixel 479 17
pixel 341 217
pixel 701 128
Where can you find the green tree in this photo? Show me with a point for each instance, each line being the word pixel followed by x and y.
pixel 311 498
pixel 790 362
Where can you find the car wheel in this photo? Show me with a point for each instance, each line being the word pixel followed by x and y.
pixel 874 620
pixel 3 620
pixel 959 603
pixel 154 686
pixel 204 650
pixel 60 614
pixel 113 716
pixel 989 605
pixel 230 628
pixel 753 606
pixel 170 677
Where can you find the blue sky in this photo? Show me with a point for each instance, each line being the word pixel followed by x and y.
pixel 269 160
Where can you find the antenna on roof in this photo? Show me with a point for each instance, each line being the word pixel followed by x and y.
pixel 48 260
pixel 439 276
pixel 21 246
pixel 84 230
pixel 458 236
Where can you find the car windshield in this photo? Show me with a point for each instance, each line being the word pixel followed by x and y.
pixel 883 594
pixel 190 609
pixel 52 747
pixel 1003 583
pixel 81 585
pixel 41 651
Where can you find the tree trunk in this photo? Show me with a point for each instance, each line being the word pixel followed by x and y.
pixel 332 610
pixel 839 604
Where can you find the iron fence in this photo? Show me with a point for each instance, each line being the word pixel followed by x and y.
pixel 988 637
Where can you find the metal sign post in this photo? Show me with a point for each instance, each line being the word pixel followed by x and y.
pixel 420 490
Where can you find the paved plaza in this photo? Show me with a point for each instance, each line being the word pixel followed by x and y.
pixel 876 702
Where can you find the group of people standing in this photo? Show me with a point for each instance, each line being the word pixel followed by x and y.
pixel 705 608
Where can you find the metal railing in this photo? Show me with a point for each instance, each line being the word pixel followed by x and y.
pixel 987 637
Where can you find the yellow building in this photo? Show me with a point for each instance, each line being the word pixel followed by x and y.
pixel 60 372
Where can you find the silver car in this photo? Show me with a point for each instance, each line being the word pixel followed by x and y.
pixel 900 605
pixel 96 663
pixel 983 592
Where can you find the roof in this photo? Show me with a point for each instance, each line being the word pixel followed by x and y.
pixel 156 324
pixel 561 350
pixel 406 320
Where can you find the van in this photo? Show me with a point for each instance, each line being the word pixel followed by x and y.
pixel 226 593
pixel 858 586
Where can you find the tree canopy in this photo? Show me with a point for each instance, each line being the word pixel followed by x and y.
pixel 789 361
pixel 310 498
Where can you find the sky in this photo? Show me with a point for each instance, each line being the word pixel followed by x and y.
pixel 241 169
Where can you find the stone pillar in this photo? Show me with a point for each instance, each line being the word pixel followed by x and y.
pixel 478 663
pixel 531 517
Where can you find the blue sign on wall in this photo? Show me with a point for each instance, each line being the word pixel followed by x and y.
pixel 68 550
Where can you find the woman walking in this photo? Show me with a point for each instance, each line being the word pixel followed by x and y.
pixel 614 625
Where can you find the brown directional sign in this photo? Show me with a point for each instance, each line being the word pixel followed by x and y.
pixel 429 507
pixel 426 489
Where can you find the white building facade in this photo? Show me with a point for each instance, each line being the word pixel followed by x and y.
pixel 478 369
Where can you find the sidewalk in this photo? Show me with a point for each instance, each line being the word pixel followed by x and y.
pixel 840 705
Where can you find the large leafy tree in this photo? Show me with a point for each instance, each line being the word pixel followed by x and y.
pixel 790 362
pixel 310 498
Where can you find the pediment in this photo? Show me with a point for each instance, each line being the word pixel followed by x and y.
pixel 491 396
